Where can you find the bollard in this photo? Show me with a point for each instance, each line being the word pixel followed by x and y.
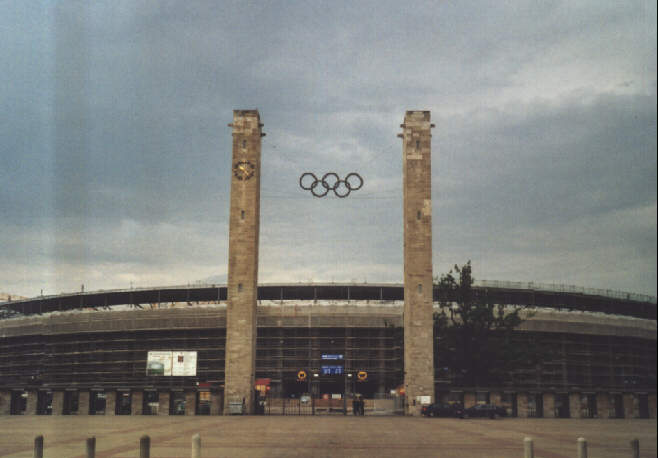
pixel 635 448
pixel 582 447
pixel 196 446
pixel 91 447
pixel 145 447
pixel 38 446
pixel 528 449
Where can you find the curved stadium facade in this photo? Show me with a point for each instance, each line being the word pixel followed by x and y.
pixel 86 353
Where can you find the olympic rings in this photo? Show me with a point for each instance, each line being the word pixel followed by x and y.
pixel 330 182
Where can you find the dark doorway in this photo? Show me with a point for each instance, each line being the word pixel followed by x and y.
pixel 644 405
pixel 97 402
pixel 70 403
pixel 591 410
pixel 18 403
pixel 562 405
pixel 150 403
pixel 177 403
pixel 44 403
pixel 203 403
pixel 123 403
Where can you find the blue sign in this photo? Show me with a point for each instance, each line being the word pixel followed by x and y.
pixel 332 356
pixel 332 370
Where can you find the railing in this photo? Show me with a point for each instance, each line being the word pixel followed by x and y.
pixel 562 288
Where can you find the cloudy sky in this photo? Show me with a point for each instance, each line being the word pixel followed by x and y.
pixel 115 152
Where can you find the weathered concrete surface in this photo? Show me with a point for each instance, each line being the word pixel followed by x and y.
pixel 383 437
pixel 137 403
pixel 58 402
pixel 549 405
pixel 242 290
pixel 417 206
pixel 292 314
pixel 5 402
pixel 163 401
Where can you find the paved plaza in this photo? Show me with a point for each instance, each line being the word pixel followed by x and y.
pixel 330 436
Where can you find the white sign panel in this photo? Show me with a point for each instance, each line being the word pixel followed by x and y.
pixel 171 363
pixel 158 363
pixel 183 363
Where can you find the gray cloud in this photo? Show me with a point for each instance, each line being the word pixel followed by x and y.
pixel 115 160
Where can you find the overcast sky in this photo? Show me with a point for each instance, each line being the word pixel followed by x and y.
pixel 115 155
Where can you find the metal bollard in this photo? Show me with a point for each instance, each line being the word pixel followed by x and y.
pixel 635 448
pixel 38 446
pixel 145 447
pixel 582 447
pixel 528 448
pixel 91 447
pixel 196 446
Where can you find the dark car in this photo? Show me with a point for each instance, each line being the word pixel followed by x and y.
pixel 442 409
pixel 485 410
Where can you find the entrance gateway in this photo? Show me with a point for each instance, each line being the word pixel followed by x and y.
pixel 244 224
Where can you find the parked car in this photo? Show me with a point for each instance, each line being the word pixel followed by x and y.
pixel 485 410
pixel 442 409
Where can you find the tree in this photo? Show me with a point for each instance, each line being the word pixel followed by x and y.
pixel 475 336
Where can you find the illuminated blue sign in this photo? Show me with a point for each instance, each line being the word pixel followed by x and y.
pixel 332 370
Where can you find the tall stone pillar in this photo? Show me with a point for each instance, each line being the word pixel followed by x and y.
pixel 418 324
pixel 603 405
pixel 244 225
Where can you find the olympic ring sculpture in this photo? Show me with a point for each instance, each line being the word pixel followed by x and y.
pixel 330 182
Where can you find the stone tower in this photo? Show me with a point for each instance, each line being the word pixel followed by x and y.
pixel 244 225
pixel 418 325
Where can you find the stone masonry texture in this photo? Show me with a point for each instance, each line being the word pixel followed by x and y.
pixel 418 324
pixel 244 227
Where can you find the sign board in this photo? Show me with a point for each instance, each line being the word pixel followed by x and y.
pixel 332 370
pixel 171 363
pixel 424 400
pixel 158 363
pixel 326 356
pixel 183 363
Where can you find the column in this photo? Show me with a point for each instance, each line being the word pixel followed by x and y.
pixel 417 209
pixel 5 402
pixel 190 403
pixel 603 405
pixel 215 403
pixel 575 408
pixel 495 398
pixel 58 402
pixel 522 405
pixel 628 405
pixel 244 224
pixel 163 401
pixel 83 403
pixel 469 399
pixel 31 408
pixel 652 405
pixel 110 402
pixel 137 403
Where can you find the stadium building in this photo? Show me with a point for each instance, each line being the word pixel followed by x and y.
pixel 311 348
pixel 87 353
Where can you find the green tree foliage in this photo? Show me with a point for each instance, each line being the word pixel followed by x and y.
pixel 475 338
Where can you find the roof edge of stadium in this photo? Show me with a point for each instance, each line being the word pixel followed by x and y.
pixel 481 284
